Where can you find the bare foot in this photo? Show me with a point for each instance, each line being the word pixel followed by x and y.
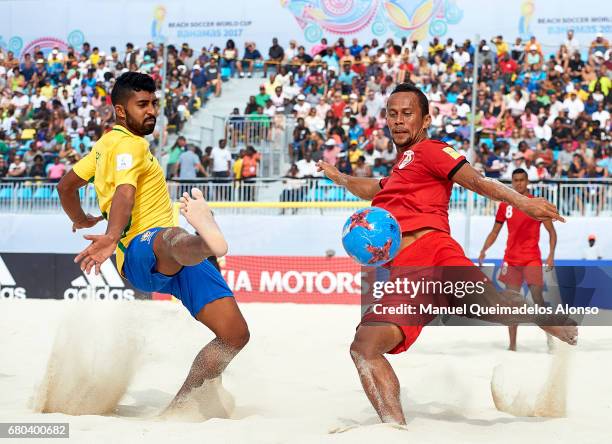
pixel 198 214
pixel 512 347
pixel 567 333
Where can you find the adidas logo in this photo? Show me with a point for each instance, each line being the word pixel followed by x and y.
pixel 107 286
pixel 8 286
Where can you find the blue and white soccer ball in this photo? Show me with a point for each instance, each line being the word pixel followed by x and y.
pixel 371 236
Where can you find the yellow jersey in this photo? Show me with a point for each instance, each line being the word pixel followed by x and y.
pixel 118 158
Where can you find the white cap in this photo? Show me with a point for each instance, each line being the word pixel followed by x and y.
pixel 539 160
pixel 55 51
pixel 598 54
pixel 533 48
pixel 330 142
pixel 559 69
pixel 301 97
pixel 40 61
pixel 485 48
pixel 599 35
pixel 353 96
pixel 102 54
pixel 196 66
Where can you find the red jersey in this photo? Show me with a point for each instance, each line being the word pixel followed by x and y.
pixel 508 67
pixel 338 108
pixel 523 235
pixel 418 189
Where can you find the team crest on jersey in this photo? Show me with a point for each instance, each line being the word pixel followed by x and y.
pixel 406 159
pixel 146 236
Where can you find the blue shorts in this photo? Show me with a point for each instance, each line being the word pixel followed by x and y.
pixel 195 286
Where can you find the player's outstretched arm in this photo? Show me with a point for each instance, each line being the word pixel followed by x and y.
pixel 362 187
pixel 490 240
pixel 68 190
pixel 103 246
pixel 537 207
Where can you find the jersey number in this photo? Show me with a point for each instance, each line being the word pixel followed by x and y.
pixel 508 212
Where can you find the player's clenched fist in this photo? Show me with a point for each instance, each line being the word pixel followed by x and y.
pixel 330 171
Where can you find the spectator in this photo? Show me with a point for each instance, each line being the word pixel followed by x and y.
pixel 276 54
pixel 361 169
pixel 17 168
pixel 529 120
pixel 4 168
pixel 250 57
pixel 302 108
pixel 213 76
pixel 592 252
pixel 577 168
pixel 494 164
pixel 189 164
pixel 56 170
pixel 229 57
pixel 602 116
pixel 262 97
pixel 250 163
pixel 600 44
pixel 541 170
pixel 300 137
pixel 38 168
pixel 173 156
pixel 542 130
pixel 221 160
pixel 331 152
pixel 573 105
pixel 307 168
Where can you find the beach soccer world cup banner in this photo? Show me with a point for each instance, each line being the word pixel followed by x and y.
pixel 105 23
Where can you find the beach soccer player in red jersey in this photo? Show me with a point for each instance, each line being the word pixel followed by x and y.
pixel 417 193
pixel 522 259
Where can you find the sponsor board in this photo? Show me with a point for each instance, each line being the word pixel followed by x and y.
pixel 293 279
pixel 56 276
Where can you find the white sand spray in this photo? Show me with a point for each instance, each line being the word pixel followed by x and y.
pixel 522 390
pixel 211 400
pixel 92 361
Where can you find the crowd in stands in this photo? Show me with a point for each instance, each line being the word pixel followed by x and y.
pixel 55 104
pixel 545 112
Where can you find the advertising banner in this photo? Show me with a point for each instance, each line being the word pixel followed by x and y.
pixel 56 276
pixel 26 24
pixel 276 279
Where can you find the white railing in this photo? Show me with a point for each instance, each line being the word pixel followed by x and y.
pixel 303 196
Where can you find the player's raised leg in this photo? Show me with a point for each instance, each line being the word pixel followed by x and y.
pixel 174 249
pixel 377 377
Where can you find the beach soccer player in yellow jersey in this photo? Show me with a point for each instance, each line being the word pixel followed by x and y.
pixel 153 254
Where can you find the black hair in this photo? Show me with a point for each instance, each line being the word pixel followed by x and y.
pixel 519 171
pixel 129 82
pixel 412 88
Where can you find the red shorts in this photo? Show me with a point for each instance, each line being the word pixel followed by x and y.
pixel 433 249
pixel 513 273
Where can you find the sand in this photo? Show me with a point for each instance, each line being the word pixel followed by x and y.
pixel 295 381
